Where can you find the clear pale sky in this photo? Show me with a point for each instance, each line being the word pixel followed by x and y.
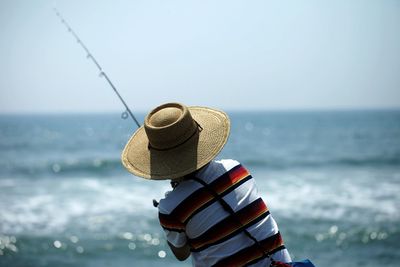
pixel 246 55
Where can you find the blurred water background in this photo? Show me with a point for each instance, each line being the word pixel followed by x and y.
pixel 331 179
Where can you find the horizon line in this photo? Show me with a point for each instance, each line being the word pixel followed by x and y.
pixel 228 110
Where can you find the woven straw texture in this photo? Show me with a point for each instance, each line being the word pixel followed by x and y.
pixel 160 162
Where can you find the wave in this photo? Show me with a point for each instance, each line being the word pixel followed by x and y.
pixel 105 167
pixel 339 162
pixel 89 167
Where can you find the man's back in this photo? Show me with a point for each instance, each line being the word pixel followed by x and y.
pixel 190 214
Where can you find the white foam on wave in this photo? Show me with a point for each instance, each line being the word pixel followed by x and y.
pixel 46 206
pixel 342 195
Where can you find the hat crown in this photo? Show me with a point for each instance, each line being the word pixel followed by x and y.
pixel 169 125
pixel 165 117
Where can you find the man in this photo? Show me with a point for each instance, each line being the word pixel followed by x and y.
pixel 214 212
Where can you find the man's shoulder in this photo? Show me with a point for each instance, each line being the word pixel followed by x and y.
pixel 211 172
pixel 227 164
pixel 216 168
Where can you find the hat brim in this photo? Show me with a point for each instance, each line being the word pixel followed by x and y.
pixel 179 161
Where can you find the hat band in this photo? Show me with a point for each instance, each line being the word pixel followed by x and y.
pixel 198 129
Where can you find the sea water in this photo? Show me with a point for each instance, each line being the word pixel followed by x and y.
pixel 330 179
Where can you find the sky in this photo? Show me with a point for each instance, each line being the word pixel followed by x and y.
pixel 233 55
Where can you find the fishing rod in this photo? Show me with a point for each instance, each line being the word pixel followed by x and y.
pixel 102 73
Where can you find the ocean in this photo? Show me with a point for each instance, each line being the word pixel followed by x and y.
pixel 331 179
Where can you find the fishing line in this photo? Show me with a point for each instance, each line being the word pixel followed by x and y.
pixel 102 73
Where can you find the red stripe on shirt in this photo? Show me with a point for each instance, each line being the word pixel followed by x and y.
pixel 230 225
pixel 179 216
pixel 253 252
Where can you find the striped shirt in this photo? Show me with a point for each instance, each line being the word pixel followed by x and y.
pixel 191 214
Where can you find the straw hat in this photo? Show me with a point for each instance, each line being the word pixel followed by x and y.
pixel 175 140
